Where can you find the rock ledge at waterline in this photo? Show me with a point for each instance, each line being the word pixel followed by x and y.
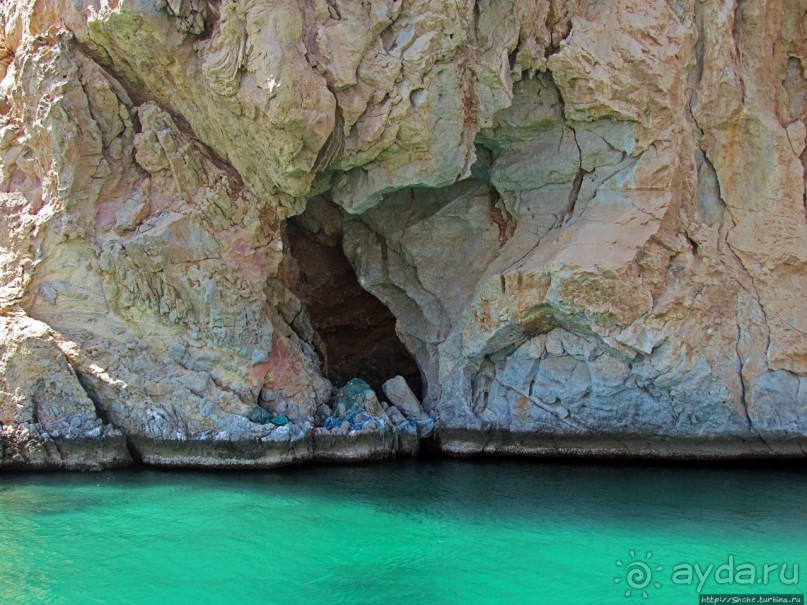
pixel 563 227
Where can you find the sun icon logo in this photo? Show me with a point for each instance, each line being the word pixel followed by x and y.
pixel 638 574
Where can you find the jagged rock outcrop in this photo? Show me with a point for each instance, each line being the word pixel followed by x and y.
pixel 585 224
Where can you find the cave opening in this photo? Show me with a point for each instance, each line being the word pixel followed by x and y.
pixel 354 331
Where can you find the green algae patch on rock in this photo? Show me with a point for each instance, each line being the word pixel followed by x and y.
pixel 352 395
pixel 280 420
pixel 258 415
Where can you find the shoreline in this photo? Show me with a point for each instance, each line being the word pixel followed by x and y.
pixel 118 451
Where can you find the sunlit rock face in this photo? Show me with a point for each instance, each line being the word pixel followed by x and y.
pixel 571 226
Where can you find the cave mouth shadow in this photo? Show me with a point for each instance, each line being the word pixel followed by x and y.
pixel 355 332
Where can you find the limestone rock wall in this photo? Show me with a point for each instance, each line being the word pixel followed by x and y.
pixel 588 219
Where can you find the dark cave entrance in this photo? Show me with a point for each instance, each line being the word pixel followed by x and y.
pixel 355 331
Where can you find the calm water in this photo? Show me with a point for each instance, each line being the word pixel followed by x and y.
pixel 402 532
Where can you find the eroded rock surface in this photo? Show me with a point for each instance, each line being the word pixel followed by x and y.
pixel 584 225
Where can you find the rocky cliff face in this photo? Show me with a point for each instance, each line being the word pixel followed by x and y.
pixel 572 227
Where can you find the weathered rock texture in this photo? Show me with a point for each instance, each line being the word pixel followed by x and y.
pixel 587 220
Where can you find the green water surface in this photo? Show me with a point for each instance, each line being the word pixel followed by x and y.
pixel 428 531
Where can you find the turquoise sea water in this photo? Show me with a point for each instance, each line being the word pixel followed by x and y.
pixel 433 531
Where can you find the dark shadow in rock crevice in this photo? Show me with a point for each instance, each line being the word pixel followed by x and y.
pixel 355 332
